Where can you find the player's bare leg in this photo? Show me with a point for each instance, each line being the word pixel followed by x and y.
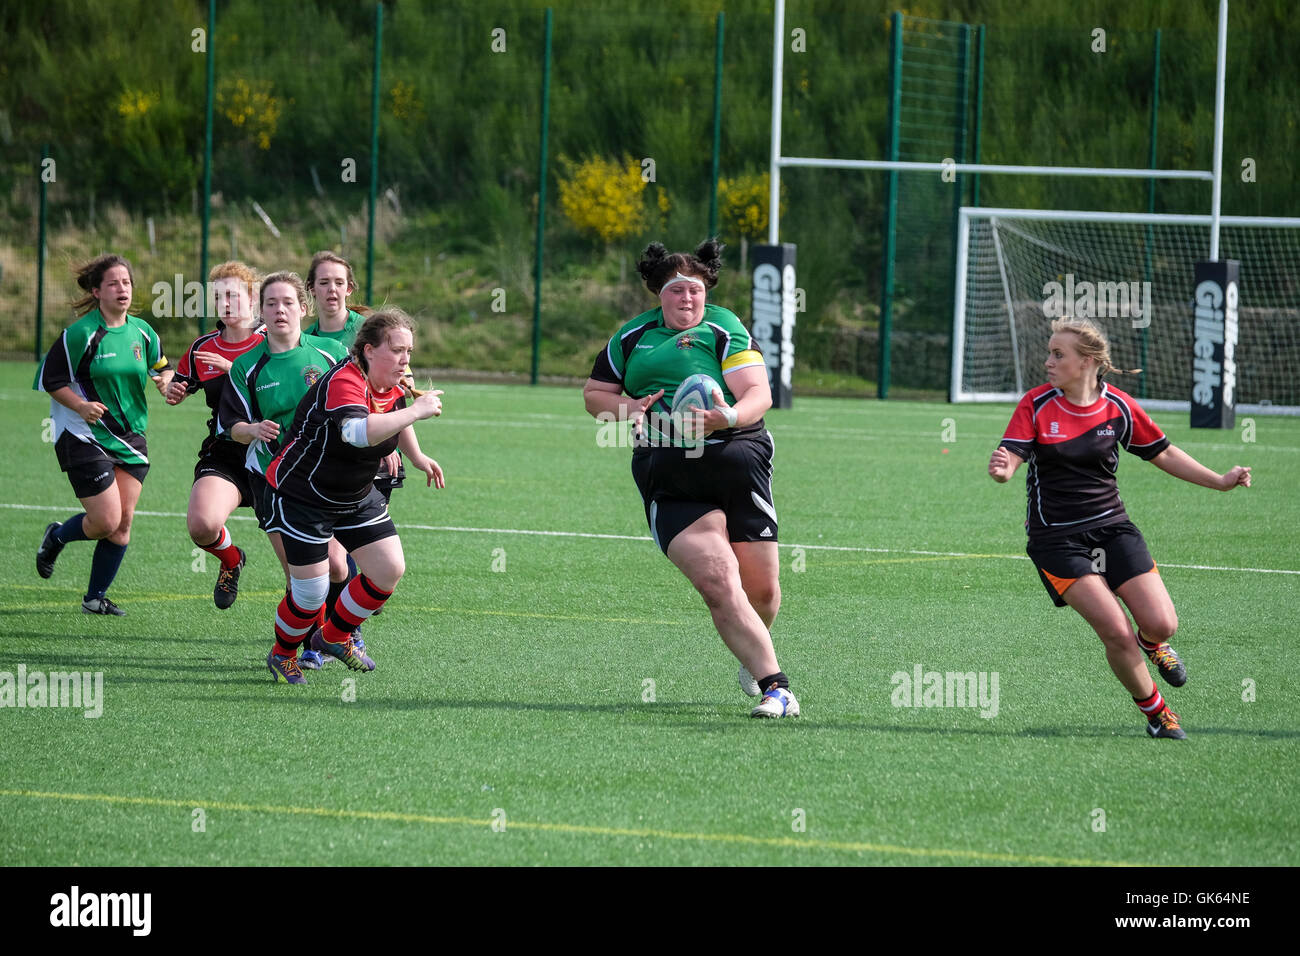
pixel 1094 600
pixel 1152 608
pixel 703 553
pixel 760 569
pixel 212 501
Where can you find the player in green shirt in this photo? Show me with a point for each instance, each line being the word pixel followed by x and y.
pixel 262 394
pixel 710 509
pixel 330 282
pixel 95 374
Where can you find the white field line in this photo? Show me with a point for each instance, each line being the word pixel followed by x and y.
pixel 633 537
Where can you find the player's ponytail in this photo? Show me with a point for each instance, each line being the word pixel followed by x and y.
pixel 1090 342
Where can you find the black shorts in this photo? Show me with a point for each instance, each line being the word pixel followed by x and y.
pixel 222 463
pixel 386 482
pixel 260 493
pixel 90 471
pixel 1117 552
pixel 679 486
pixel 306 531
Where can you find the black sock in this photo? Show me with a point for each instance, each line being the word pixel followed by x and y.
pixel 71 530
pixel 774 680
pixel 103 567
pixel 336 588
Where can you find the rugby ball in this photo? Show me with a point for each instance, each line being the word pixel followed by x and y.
pixel 695 391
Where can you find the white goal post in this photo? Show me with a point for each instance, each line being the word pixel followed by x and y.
pixel 1132 274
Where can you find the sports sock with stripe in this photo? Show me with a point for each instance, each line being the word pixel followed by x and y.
pixel 1148 647
pixel 1152 705
pixel 358 601
pixel 292 626
pixel 223 549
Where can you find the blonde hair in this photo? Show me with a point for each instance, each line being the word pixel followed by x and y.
pixel 234 269
pixel 1090 342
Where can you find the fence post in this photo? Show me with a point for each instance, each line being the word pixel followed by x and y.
pixel 541 200
pixel 40 260
pixel 717 129
pixel 207 154
pixel 374 154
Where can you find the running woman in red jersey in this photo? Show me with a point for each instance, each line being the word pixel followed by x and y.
pixel 221 481
pixel 1088 554
pixel 322 485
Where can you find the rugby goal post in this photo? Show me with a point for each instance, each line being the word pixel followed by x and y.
pixel 1132 274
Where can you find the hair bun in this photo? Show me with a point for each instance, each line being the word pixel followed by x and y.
pixel 648 264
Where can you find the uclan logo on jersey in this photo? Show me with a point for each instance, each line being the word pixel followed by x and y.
pixel 1108 432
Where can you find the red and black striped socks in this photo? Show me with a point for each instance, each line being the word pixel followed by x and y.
pixel 360 599
pixel 223 549
pixel 293 625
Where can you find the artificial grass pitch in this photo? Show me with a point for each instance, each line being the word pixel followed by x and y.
pixel 550 689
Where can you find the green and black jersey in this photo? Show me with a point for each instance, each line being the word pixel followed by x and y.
pixel 646 355
pixel 110 366
pixel 269 385
pixel 346 335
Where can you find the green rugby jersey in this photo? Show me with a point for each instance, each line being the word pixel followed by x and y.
pixel 268 385
pixel 646 355
pixel 110 366
pixel 346 335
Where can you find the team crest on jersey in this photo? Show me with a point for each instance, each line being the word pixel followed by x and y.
pixel 686 341
pixel 1056 428
pixel 137 351
pixel 310 374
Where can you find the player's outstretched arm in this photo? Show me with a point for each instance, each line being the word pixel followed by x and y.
pixel 1182 465
pixel 410 447
pixel 381 426
pixel 1003 464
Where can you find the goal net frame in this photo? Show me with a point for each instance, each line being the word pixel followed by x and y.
pixel 961 391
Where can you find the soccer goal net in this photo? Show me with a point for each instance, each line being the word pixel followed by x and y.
pixel 1132 275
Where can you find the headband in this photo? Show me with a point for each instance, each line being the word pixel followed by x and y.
pixel 681 278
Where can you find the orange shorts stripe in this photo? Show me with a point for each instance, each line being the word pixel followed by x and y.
pixel 1061 584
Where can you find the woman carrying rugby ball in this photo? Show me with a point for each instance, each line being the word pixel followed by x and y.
pixel 709 508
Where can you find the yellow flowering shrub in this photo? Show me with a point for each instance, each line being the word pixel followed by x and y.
pixel 404 103
pixel 603 198
pixel 250 108
pixel 743 204
pixel 135 103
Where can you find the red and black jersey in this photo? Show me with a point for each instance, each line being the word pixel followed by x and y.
pixel 198 375
pixel 1073 454
pixel 318 466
